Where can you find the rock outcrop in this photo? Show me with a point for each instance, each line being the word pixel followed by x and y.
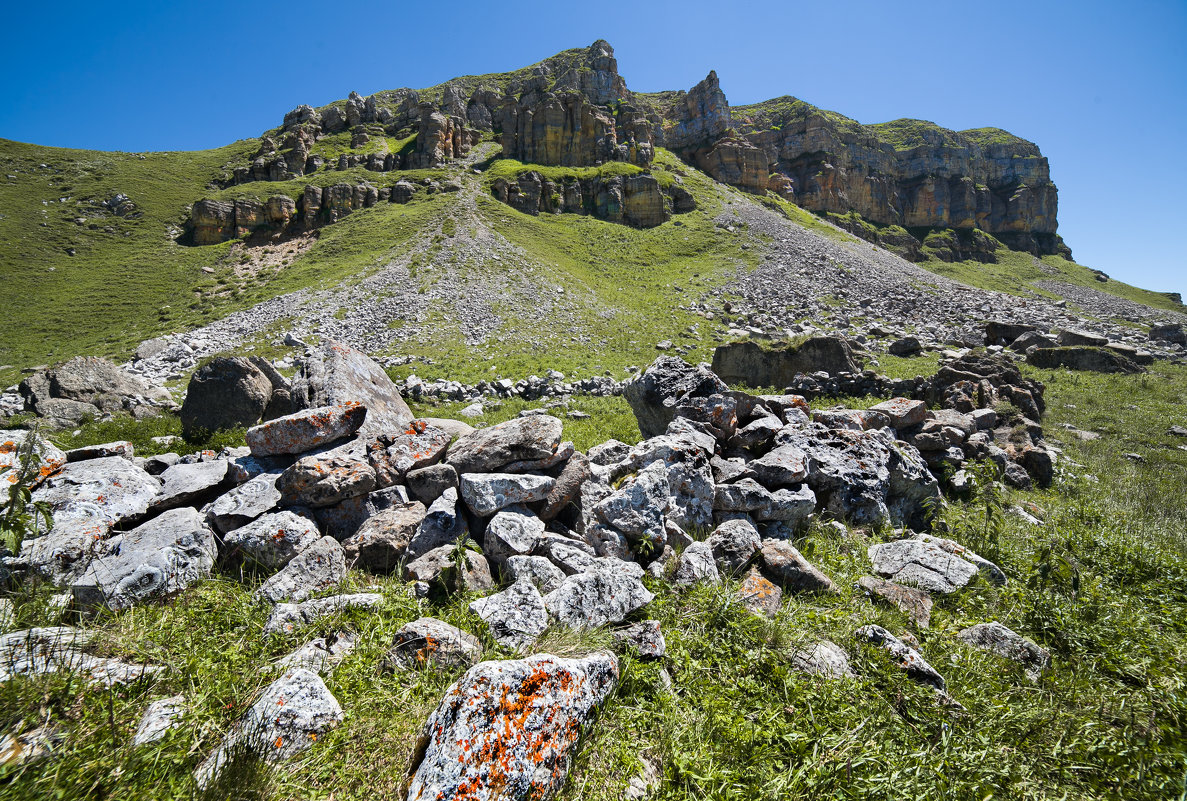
pixel 637 200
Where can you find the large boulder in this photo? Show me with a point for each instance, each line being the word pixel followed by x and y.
pixel 418 446
pixel 428 641
pixel 325 480
pixel 152 561
pixel 510 729
pixel 488 450
pixel 306 430
pixel 1098 360
pixel 271 541
pixel 335 374
pixel 14 442
pixel 597 597
pixel 88 380
pixel 655 394
pixel 757 365
pixel 228 392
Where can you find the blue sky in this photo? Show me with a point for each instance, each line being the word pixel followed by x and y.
pixel 1100 86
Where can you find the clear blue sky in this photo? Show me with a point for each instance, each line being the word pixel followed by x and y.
pixel 1100 86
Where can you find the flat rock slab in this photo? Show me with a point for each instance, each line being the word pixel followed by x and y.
pixel 306 430
pixel 510 729
pixel 759 595
pixel 244 503
pixel 903 412
pixel 487 493
pixel 998 639
pixel 286 618
pixel 186 484
pixel 161 716
pixel 152 561
pixel 319 567
pixel 86 500
pixel 921 564
pixel 825 659
pixel 597 598
pixel 272 541
pixel 320 655
pixel 516 616
pixel 33 652
pixel 418 446
pixel 120 448
pixel 906 658
pixel 284 722
pixel 431 642
pixel 989 571
pixel 913 602
pixel 487 450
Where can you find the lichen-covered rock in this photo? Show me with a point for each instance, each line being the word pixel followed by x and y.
pixel 697 565
pixel 189 484
pixel 419 445
pixel 51 458
pixel 321 654
pixel 513 531
pixel 86 499
pixel 487 450
pixel 152 561
pixel 788 568
pixel 427 483
pixel 734 544
pixel 319 567
pixel 567 488
pixel 543 574
pixel 903 412
pixel 335 374
pixel 783 466
pixel 907 659
pixel 516 617
pixel 244 503
pixel 645 638
pixel 161 716
pixel 325 480
pixel 270 542
pixel 991 572
pixel 597 598
pixel 1001 640
pixel 428 641
pixel 825 658
pixel 382 542
pixel 444 523
pixel 913 602
pixel 487 493
pixel 510 729
pixel 284 722
pixel 655 394
pixel 759 595
pixel 921 564
pixel 306 430
pixel 637 509
pixel 439 569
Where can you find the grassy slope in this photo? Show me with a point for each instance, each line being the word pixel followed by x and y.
pixel 1106 723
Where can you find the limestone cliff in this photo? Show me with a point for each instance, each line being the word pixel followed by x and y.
pixel 637 200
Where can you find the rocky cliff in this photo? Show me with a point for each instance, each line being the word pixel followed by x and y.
pixel 575 110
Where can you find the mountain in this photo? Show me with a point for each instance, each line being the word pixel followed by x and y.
pixel 550 210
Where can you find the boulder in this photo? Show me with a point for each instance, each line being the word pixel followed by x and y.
pixel 637 509
pixel 381 543
pixel 1003 333
pixel 49 457
pixel 321 654
pixel 487 493
pixel 86 499
pixel 228 392
pixel 1000 640
pixel 92 381
pixel 344 518
pixel 271 541
pixel 191 484
pixel 488 450
pixel 734 544
pixel 788 568
pixel 1071 337
pixel 510 729
pixel 825 659
pixel 284 722
pixel 655 394
pixel 431 642
pixel 439 568
pixel 419 445
pixel 759 595
pixel 567 487
pixel 921 564
pixel 516 616
pixel 906 659
pixel 757 365
pixel 645 638
pixel 696 565
pixel 784 466
pixel 317 568
pixel 905 347
pixel 325 480
pixel 444 523
pixel 152 561
pixel 426 484
pixel 244 503
pixel 306 430
pixel 287 617
pixel 334 374
pixel 597 598
pixel 913 602
pixel 513 531
pixel 543 574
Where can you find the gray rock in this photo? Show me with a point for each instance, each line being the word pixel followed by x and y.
pixel 513 531
pixel 120 448
pixel 244 503
pixel 334 374
pixel 270 542
pixel 510 729
pixel 825 659
pixel 567 488
pixel 86 500
pixel 759 595
pixel 906 659
pixel 443 524
pixel 14 441
pixel 418 446
pixel 381 543
pixel 913 602
pixel 644 637
pixel 596 598
pixel 516 617
pixel 567 555
pixel 790 507
pixel 33 652
pixel 438 568
pixel 325 480
pixel 537 570
pixel 997 638
pixel 788 568
pixel 487 493
pixel 286 618
pixel 228 392
pixel 152 561
pixel 609 452
pixel 734 544
pixel 903 412
pixel 637 509
pixel 784 466
pixel 428 641
pixel 991 572
pixel 319 567
pixel 284 722
pixel 487 450
pixel 655 394
pixel 697 565
pixel 921 564
pixel 191 484
pixel 320 655
pixel 306 430
pixel 161 716
pixel 344 518
pixel 427 483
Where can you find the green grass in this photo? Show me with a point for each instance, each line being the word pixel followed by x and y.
pixel 511 169
pixel 1107 722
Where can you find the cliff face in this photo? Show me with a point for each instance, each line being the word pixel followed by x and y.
pixel 636 200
